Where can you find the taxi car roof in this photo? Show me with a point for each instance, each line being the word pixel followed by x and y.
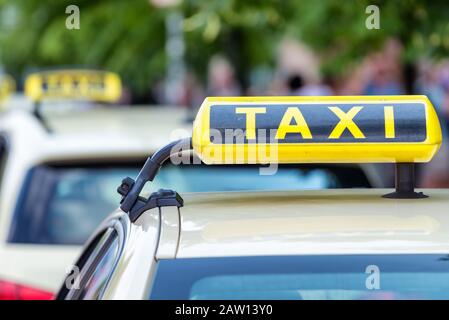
pixel 125 119
pixel 76 135
pixel 354 221
pixel 135 131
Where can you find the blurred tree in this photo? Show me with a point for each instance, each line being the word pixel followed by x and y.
pixel 336 29
pixel 122 36
pixel 129 36
pixel 247 32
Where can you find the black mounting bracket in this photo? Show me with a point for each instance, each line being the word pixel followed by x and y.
pixel 130 189
pixel 405 183
pixel 160 198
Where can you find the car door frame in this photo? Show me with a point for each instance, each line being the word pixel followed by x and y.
pixel 86 263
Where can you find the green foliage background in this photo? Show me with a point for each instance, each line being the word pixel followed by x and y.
pixel 128 37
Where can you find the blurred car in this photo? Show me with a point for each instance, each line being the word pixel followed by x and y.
pixel 326 244
pixel 59 159
pixel 52 180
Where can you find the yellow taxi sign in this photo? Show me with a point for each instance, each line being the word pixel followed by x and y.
pixel 350 129
pixel 73 84
pixel 7 86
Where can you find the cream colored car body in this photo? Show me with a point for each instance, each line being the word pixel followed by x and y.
pixel 90 135
pixel 277 223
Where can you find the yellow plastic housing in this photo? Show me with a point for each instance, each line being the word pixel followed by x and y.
pixel 331 151
pixel 74 84
pixel 7 86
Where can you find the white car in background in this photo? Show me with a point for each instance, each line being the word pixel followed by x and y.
pixel 58 185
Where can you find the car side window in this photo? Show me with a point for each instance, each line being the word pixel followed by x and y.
pixel 94 268
pixel 3 156
pixel 97 276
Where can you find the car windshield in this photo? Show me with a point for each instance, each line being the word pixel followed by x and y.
pixel 65 204
pixel 319 277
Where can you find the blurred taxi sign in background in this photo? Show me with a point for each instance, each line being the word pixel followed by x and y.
pixel 349 129
pixel 92 85
pixel 7 86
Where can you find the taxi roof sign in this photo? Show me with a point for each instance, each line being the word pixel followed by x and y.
pixel 346 129
pixel 75 84
pixel 351 129
pixel 7 86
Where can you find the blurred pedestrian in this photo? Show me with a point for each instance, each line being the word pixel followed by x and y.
pixel 300 68
pixel 193 92
pixel 297 87
pixel 221 78
pixel 380 73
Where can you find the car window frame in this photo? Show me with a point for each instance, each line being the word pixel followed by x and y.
pixel 87 262
pixel 4 155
